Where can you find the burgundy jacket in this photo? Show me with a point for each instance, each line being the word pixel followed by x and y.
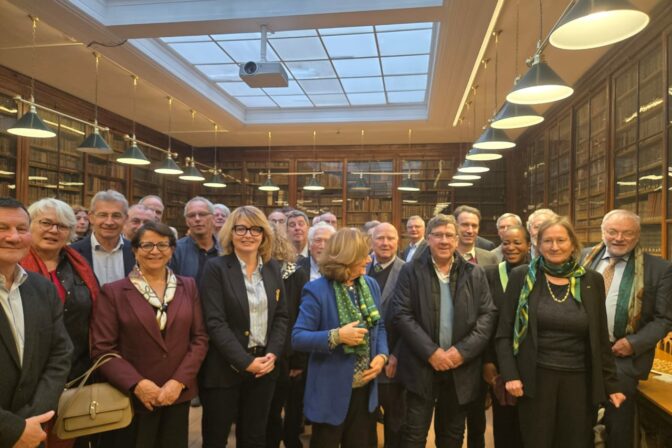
pixel 125 323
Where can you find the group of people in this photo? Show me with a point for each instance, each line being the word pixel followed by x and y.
pixel 272 321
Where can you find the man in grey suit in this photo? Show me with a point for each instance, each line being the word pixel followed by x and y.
pixel 638 287
pixel 385 269
pixel 468 223
pixel 415 229
pixel 34 346
pixel 444 314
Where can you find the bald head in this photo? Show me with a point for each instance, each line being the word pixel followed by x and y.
pixel 385 242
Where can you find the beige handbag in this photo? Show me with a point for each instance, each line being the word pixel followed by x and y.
pixel 92 408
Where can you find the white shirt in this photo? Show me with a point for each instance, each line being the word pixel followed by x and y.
pixel 10 299
pixel 612 294
pixel 411 250
pixel 258 304
pixel 108 266
pixel 314 270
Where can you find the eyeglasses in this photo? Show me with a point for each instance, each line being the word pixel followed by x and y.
pixel 46 224
pixel 627 234
pixel 148 247
pixel 241 230
pixel 105 216
pixel 278 221
pixel 197 215
pixel 440 236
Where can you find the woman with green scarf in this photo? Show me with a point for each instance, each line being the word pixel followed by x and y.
pixel 553 345
pixel 339 324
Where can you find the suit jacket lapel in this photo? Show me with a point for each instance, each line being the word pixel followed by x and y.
pixel 238 284
pixel 272 293
pixel 174 307
pixel 391 280
pixel 8 338
pixel 144 312
pixel 29 324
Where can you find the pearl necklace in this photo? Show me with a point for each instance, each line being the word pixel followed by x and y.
pixel 553 295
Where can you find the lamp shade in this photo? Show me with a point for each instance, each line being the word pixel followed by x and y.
pixel 133 156
pixel 483 155
pixel 539 85
pixel 168 166
pixel 313 184
pixel 408 184
pixel 465 176
pixel 494 139
pixel 94 143
pixel 596 23
pixel 514 116
pixel 216 181
pixel 192 173
pixel 31 125
pixel 268 185
pixel 459 183
pixel 472 167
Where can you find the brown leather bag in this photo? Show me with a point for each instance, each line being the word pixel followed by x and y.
pixel 92 408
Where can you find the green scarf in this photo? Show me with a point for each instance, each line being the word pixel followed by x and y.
pixel 347 311
pixel 570 269
pixel 630 291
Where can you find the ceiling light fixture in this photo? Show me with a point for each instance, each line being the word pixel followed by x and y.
pixel 483 155
pixel 217 180
pixel 31 125
pixel 465 176
pixel 495 139
pixel 94 143
pixel 459 183
pixel 268 184
pixel 191 173
pixel 168 166
pixel 408 184
pixel 472 167
pixel 313 184
pixel 133 155
pixel 361 184
pixel 596 23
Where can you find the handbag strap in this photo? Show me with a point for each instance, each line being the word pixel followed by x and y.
pixel 85 377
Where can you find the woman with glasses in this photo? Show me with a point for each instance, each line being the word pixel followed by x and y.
pixel 339 324
pixel 246 316
pixel 553 344
pixel 153 319
pixel 52 228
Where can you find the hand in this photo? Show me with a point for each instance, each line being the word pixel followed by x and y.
pixel 293 373
pixel 262 365
pixel 352 335
pixel 622 348
pixel 440 360
pixel 377 364
pixel 617 399
pixel 391 367
pixel 515 388
pixel 33 434
pixel 490 373
pixel 455 357
pixel 147 392
pixel 169 393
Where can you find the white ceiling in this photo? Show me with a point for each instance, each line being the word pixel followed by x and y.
pixel 62 58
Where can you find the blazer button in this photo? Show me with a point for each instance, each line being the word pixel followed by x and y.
pixel 246 333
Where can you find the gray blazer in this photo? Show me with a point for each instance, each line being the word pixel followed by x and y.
pixel 656 320
pixel 485 257
pixel 33 387
pixel 422 245
pixel 386 310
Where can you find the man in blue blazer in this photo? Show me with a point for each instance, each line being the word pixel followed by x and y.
pixel 107 251
pixel 444 314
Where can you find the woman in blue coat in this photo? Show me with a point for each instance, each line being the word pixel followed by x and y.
pixel 339 324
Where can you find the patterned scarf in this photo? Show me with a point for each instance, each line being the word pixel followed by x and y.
pixel 570 269
pixel 288 268
pixel 138 280
pixel 630 291
pixel 348 312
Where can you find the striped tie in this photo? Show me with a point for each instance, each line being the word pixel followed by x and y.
pixel 608 273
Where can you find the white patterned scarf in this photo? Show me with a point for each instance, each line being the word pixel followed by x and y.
pixel 138 280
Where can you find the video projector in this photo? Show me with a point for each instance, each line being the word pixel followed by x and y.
pixel 264 74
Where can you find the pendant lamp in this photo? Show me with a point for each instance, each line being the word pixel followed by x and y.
pixel 191 173
pixel 596 23
pixel 494 139
pixel 133 155
pixel 268 184
pixel 472 167
pixel 483 155
pixel 217 180
pixel 459 183
pixel 539 85
pixel 465 176
pixel 94 143
pixel 514 116
pixel 168 166
pixel 408 184
pixel 313 184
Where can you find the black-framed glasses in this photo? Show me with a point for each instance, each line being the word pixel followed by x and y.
pixel 46 224
pixel 148 247
pixel 241 230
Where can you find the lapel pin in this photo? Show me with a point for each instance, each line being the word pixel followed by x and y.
pixel 277 295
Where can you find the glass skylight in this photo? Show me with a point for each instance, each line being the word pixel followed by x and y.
pixel 335 67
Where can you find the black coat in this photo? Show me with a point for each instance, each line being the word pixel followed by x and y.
pixel 227 317
pixel 293 288
pixel 32 388
pixel 523 367
pixel 416 318
pixel 656 317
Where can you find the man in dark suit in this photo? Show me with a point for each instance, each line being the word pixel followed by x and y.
pixel 35 348
pixel 107 251
pixel 444 314
pixel 635 326
pixel 415 229
pixel 385 269
pixel 318 235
